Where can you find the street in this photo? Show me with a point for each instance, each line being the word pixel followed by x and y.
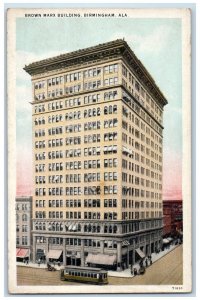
pixel 166 271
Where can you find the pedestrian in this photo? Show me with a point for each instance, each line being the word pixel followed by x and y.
pixel 131 268
pixel 146 262
pixel 135 271
pixel 141 263
pixel 131 271
pixel 150 261
pixel 39 262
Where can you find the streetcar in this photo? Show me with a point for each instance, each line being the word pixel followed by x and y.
pixel 84 274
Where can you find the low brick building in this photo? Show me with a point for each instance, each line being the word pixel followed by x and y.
pixel 172 217
pixel 23 227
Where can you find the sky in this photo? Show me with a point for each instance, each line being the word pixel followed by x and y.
pixel 155 41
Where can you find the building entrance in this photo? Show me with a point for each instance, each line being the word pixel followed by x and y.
pixel 73 261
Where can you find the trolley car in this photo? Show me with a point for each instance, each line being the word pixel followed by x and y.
pixel 84 274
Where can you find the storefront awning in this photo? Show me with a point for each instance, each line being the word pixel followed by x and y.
pixel 165 241
pixel 20 252
pixel 101 259
pixel 140 253
pixel 55 254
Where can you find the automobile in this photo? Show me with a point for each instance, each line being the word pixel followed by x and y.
pixel 50 268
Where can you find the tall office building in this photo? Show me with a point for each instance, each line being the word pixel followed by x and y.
pixel 97 146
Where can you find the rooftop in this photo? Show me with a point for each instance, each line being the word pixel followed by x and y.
pixel 116 47
pixel 23 198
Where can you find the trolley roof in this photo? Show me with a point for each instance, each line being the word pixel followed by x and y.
pixel 84 269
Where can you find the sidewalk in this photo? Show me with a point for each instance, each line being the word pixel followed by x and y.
pixel 35 265
pixel 125 273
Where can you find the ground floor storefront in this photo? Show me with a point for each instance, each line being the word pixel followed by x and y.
pixel 22 254
pixel 167 270
pixel 108 252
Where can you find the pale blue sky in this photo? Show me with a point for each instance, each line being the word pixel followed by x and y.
pixel 156 42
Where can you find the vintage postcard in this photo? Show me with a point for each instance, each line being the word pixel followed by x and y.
pixel 99 140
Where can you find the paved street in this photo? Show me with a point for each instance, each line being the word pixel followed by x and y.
pixel 168 270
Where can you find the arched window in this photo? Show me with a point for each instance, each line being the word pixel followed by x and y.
pixel 105 229
pixel 114 108
pixel 94 112
pixel 53 227
pixel 24 217
pixel 57 227
pixel 115 229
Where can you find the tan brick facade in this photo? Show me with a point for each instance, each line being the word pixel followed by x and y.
pixel 97 150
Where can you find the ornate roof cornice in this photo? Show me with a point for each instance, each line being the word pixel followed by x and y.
pixel 118 48
pixel 76 57
pixel 142 74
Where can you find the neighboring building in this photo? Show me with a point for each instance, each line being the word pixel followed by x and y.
pixel 97 144
pixel 23 227
pixel 172 217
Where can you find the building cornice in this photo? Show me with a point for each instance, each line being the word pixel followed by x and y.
pixel 143 75
pixel 118 49
pixel 76 57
